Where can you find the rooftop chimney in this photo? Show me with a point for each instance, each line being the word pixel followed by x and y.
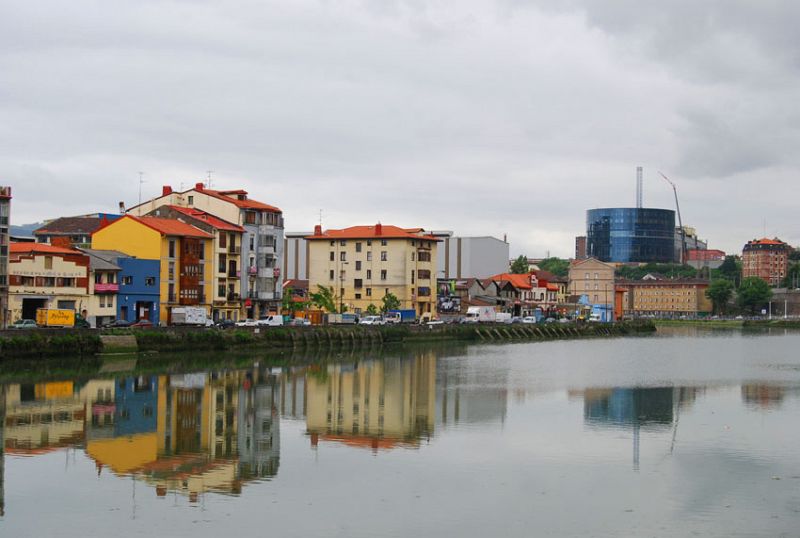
pixel 166 190
pixel 198 186
pixel 378 229
pixel 122 208
pixel 318 229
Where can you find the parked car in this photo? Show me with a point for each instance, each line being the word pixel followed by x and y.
pixel 515 319
pixel 247 323
pixel 300 322
pixel 24 324
pixel 142 324
pixel 550 320
pixel 564 320
pixel 270 321
pixel 529 319
pixel 117 323
pixel 225 324
pixel 372 320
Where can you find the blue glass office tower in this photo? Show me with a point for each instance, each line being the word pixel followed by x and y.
pixel 631 234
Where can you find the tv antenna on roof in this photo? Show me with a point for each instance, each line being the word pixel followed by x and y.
pixel 208 183
pixel 320 217
pixel 141 174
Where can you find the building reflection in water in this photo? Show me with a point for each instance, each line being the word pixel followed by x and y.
pixel 652 408
pixel 464 398
pixel 763 396
pixel 188 433
pixel 372 404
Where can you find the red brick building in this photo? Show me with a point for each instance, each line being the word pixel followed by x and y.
pixel 767 259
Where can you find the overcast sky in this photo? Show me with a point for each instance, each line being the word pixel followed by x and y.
pixel 482 117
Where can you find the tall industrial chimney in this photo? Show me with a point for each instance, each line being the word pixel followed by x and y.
pixel 639 187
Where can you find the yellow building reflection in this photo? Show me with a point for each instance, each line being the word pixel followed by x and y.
pixel 377 405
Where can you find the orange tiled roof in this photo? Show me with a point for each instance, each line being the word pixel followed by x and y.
pixel 767 241
pixel 386 231
pixel 208 218
pixel 170 227
pixel 26 248
pixel 243 204
pixel 518 281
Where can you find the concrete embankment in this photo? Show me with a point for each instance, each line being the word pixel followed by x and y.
pixel 42 343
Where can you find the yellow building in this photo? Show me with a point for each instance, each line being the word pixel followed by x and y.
pixel 378 405
pixel 225 290
pixel 44 276
pixel 592 278
pixel 185 253
pixel 364 263
pixel 666 297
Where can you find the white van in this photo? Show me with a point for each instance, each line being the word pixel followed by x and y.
pixel 270 321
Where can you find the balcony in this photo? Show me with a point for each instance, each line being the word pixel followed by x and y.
pixel 252 271
pixel 106 287
pixel 266 249
pixel 233 273
pixel 235 250
pixel 233 296
pixel 266 295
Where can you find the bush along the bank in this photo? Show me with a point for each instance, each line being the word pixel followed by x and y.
pixel 43 345
pixel 170 341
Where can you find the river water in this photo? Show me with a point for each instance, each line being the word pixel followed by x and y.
pixel 687 433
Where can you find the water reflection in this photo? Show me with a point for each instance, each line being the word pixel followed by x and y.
pixel 222 430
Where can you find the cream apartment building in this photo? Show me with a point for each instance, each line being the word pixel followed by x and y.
pixel 593 278
pixel 364 263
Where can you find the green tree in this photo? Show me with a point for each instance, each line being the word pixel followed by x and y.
pixel 390 302
pixel 720 292
pixel 290 306
pixel 372 310
pixel 325 298
pixel 520 265
pixel 792 279
pixel 731 269
pixel 557 266
pixel 753 294
pixel 794 255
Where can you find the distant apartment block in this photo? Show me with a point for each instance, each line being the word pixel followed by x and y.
pixel 470 257
pixel 767 259
pixel 5 215
pixel 68 232
pixel 666 297
pixel 592 278
pixel 295 256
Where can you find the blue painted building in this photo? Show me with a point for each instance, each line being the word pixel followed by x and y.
pixel 139 288
pixel 135 402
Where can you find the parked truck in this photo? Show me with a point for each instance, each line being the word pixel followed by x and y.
pixel 59 317
pixel 190 315
pixel 481 314
pixel 401 316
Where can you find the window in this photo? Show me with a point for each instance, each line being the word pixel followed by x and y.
pixel 383 242
pixel 369 242
pixel 596 276
pixel 358 247
pixel 369 274
pixel 358 296
pixel 98 278
pixel 333 256
pixel 48 262
pixel 343 256
pixel 383 274
pixel 424 257
pixel 171 253
pixel 369 292
pixel 587 276
pixel 369 256
pixel 384 255
pixel 223 240
pixel 171 271
pixel 221 290
pixel 413 254
pixel 358 266
pixel 412 276
pixel 149 281
pixel 191 200
pixel 333 243
pixel 342 242
pixel 252 242
pixel 424 274
pixel 110 301
pixel 358 283
pixel 128 280
pixel 331 275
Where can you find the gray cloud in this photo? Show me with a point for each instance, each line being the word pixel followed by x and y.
pixel 506 117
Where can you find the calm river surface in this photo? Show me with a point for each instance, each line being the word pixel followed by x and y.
pixel 685 433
